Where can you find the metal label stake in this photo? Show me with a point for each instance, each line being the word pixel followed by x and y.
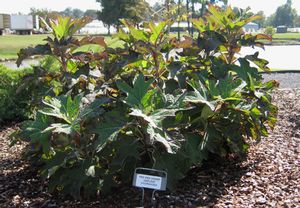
pixel 150 179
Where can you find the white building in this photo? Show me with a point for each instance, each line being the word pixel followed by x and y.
pixel 96 27
pixel 251 27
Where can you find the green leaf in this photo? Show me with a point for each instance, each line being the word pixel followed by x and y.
pixel 70 111
pixel 244 69
pixel 63 128
pixel 64 27
pixel 261 63
pixel 60 26
pixel 199 95
pixel 71 180
pixel 199 24
pixel 229 88
pixel 136 93
pixel 156 135
pixel 63 108
pixel 155 128
pixel 156 30
pixel 176 166
pixel 108 130
pixel 122 35
pixel 151 100
pixel 72 66
pixel 35 131
pixel 191 149
pixel 156 117
pixel 213 141
pixel 127 149
pixel 138 34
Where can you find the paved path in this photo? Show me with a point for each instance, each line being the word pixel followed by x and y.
pixel 286 80
pixel 279 57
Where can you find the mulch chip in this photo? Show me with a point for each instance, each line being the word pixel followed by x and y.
pixel 268 177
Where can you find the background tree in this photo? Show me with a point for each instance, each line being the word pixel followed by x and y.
pixel 157 9
pixel 45 14
pixel 114 10
pixel 77 13
pixel 40 12
pixel 91 13
pixel 297 21
pixel 110 12
pixel 270 20
pixel 137 11
pixel 285 15
pixel 261 22
pixel 204 4
pixel 67 12
pixel 74 13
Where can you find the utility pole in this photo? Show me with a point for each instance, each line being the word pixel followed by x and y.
pixel 188 18
pixel 193 11
pixel 168 7
pixel 179 2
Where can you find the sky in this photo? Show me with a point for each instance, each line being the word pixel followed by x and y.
pixel 23 6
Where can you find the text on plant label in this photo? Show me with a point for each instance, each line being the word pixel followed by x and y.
pixel 148 181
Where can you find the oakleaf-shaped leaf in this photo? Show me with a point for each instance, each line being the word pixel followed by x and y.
pixel 63 107
pixel 136 93
pixel 36 131
pixel 113 123
pixel 176 165
pixel 157 135
pixel 63 128
pixel 156 117
pixel 199 95
pixel 261 63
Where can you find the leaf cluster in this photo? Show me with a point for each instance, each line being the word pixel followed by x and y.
pixel 158 102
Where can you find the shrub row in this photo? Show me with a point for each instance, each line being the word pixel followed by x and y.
pixel 14 105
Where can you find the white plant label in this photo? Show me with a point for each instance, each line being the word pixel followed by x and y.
pixel 148 181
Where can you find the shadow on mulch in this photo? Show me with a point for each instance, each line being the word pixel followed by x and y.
pixel 202 187
pixel 19 184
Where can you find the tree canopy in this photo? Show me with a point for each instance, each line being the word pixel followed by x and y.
pixel 91 13
pixel 114 10
pixel 74 13
pixel 285 15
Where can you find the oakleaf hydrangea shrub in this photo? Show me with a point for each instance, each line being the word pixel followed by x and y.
pixel 154 102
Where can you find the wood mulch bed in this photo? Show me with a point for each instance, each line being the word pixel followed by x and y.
pixel 268 177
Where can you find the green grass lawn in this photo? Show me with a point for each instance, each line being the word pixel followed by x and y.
pixel 11 44
pixel 286 36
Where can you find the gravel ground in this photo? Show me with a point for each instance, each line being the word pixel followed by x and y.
pixel 268 177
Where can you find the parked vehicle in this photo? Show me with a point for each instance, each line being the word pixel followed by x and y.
pixel 20 24
pixel 4 23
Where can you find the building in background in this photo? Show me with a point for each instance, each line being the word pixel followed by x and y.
pixel 282 29
pixel 96 27
pixel 251 27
